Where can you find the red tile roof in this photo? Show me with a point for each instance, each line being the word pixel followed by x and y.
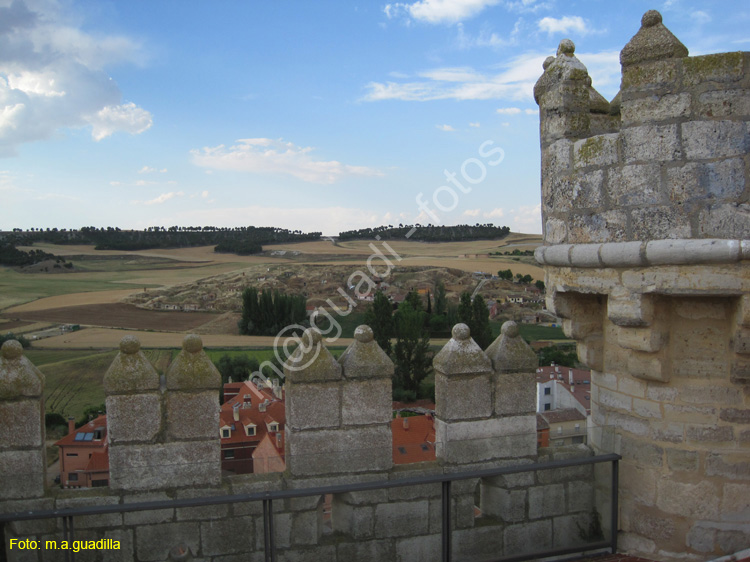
pixel 413 439
pixel 99 423
pixel 559 416
pixel 247 402
pixel 99 461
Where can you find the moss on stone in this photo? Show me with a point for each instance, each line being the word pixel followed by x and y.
pixel 720 66
pixel 591 149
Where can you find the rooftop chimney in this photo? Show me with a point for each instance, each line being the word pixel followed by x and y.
pixel 236 412
pixel 406 424
pixel 71 424
pixel 278 440
pixel 262 406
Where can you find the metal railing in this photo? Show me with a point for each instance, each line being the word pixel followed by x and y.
pixel 267 498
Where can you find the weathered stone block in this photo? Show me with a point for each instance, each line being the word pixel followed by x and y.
pixel 600 150
pixel 682 461
pixel 361 449
pixel 735 505
pixel 526 538
pixel 628 309
pixel 21 425
pixel 701 538
pixel 556 158
pixel 357 522
pixel 698 501
pixel 508 505
pixel 720 67
pixel 418 549
pixel 648 366
pixel 23 474
pixel 668 431
pixel 371 550
pixel 154 542
pixel 642 452
pixel 714 139
pixel 135 418
pixel 192 415
pixel 312 406
pixel 649 76
pixel 366 402
pixel 724 103
pixel 401 519
pixel 515 394
pixel 616 400
pixel 588 227
pixel 227 536
pixel 555 231
pixel 655 108
pixel 546 501
pixel 464 397
pixel 659 222
pixel 724 220
pixel 710 433
pixel 151 516
pixel 478 543
pixel 580 495
pixel 649 143
pixel 165 465
pixel 483 440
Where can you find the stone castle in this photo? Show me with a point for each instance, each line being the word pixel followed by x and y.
pixel 647 223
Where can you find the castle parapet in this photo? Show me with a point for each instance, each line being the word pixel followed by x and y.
pixel 646 249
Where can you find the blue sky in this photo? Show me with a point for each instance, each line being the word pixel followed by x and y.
pixel 325 115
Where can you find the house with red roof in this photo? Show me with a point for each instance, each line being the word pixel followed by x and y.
pixel 84 458
pixel 413 439
pixel 251 428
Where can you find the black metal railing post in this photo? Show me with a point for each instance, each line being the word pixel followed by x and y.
pixel 613 515
pixel 269 542
pixel 446 515
pixel 3 554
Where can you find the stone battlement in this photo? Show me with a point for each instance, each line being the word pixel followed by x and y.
pixel 665 159
pixel 164 444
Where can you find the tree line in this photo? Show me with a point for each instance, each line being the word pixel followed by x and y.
pixel 13 257
pixel 245 239
pixel 265 313
pixel 429 233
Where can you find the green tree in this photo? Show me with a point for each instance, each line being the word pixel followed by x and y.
pixel 506 274
pixel 466 310
pixel 539 284
pixel 412 350
pixel 238 367
pixel 440 300
pixel 379 316
pixel 480 330
pixel 559 355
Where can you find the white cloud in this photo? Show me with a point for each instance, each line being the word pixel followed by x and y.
pixel 487 38
pixel 446 128
pixel 52 76
pixel 271 156
pixel 476 124
pixel 438 11
pixel 528 219
pixel 565 24
pixel 515 82
pixel 115 183
pixel 531 111
pixel 700 17
pixel 127 118
pixel 162 198
pixel 494 213
pixel 150 170
pixel 509 111
pixel 471 212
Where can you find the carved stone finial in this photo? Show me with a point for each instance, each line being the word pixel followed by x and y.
pixel 548 61
pixel 652 42
pixel 192 343
pixel 510 353
pixel 130 371
pixel 311 361
pixel 651 18
pixel 12 349
pixel 130 345
pixel 566 47
pixel 461 332
pixel 192 369
pixel 461 355
pixel 363 334
pixel 364 358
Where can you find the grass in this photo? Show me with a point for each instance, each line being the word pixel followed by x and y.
pixel 532 332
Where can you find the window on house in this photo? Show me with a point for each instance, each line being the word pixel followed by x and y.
pixel 229 454
pixel 98 434
pixel 250 430
pixel 547 407
pixel 71 454
pixel 402 450
pixel 73 477
pixel 559 429
pixel 578 428
pixel 547 391
pixel 274 427
pixel 578 439
pixel 225 433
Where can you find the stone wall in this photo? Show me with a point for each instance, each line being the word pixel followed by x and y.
pixel 647 241
pixel 164 445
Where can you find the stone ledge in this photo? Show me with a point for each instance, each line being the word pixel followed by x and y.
pixel 640 254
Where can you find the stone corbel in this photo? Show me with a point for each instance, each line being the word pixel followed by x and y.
pixel 649 366
pixel 630 309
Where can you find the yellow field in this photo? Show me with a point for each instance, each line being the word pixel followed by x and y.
pixel 100 281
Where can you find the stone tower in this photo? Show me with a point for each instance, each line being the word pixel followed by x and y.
pixel 646 214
